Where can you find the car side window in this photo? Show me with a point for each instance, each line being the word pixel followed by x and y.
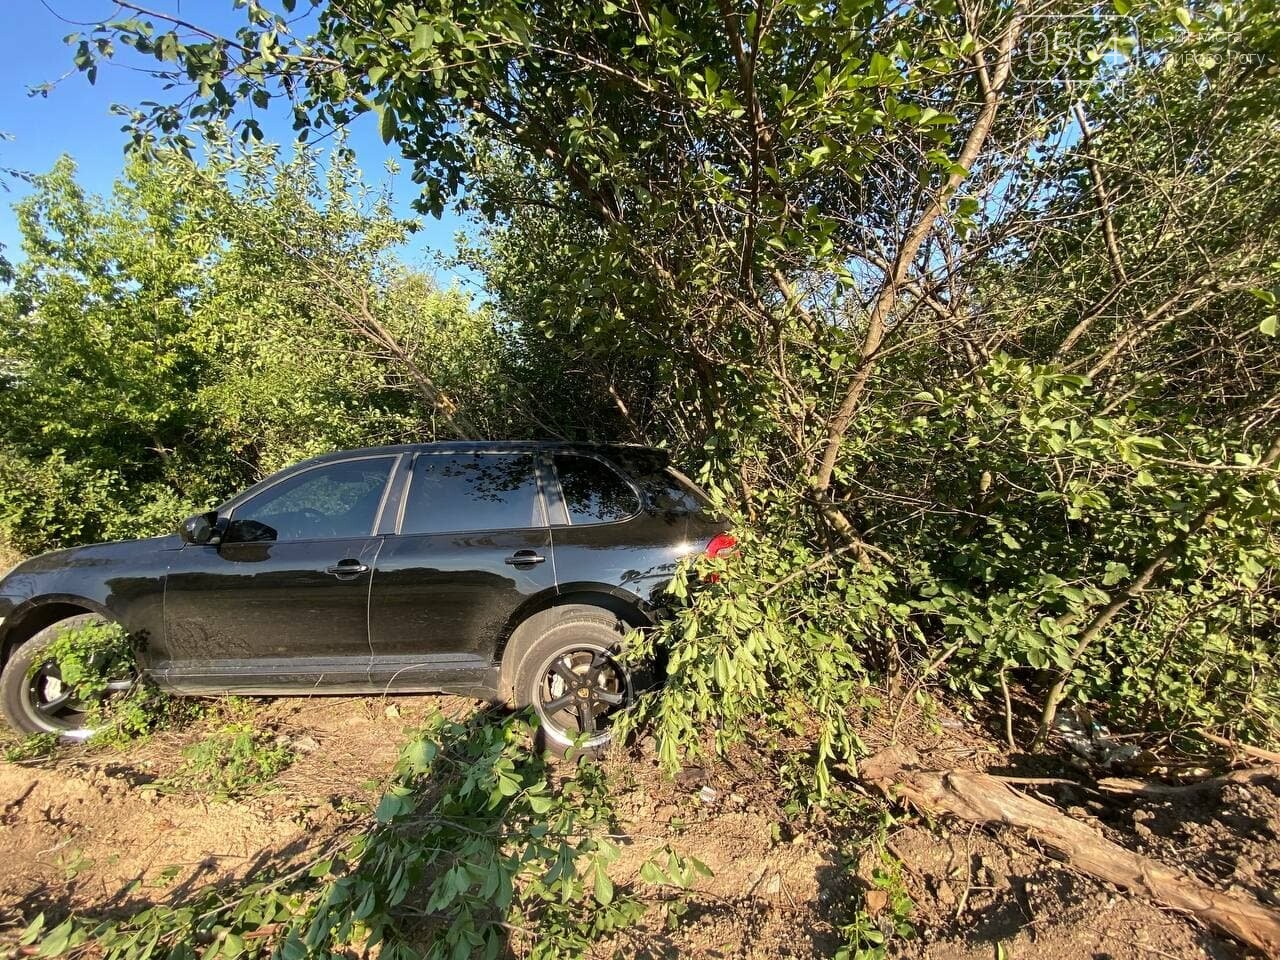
pixel 452 493
pixel 671 493
pixel 593 491
pixel 335 501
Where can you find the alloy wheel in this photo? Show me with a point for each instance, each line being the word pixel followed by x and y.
pixel 580 689
pixel 52 705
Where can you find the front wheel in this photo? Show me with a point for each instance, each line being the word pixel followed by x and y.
pixel 33 696
pixel 575 681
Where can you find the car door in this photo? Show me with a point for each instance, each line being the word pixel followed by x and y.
pixel 472 548
pixel 282 601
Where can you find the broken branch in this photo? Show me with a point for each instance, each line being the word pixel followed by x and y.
pixel 981 798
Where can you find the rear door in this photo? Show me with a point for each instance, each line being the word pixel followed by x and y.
pixel 473 546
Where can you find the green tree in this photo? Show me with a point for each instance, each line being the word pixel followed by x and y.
pixel 207 325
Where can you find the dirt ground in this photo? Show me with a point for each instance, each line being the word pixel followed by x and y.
pixel 90 832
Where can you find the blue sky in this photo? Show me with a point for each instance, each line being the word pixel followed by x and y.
pixel 75 118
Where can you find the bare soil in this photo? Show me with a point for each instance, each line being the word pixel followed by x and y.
pixel 90 832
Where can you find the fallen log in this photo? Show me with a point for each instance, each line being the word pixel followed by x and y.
pixel 981 798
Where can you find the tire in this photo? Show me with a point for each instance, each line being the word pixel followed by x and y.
pixel 30 691
pixel 573 679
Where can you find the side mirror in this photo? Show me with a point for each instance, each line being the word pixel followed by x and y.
pixel 199 529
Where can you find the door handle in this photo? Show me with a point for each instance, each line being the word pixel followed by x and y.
pixel 524 557
pixel 347 569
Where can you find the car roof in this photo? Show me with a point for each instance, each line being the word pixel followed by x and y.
pixel 491 446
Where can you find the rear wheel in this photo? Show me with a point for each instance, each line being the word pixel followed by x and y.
pixel 573 677
pixel 33 696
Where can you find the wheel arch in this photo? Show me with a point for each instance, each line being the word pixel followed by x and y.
pixel 531 620
pixel 34 615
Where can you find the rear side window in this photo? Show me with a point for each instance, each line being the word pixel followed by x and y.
pixel 452 493
pixel 593 491
pixel 670 492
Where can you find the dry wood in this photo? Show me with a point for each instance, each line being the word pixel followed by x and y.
pixel 981 798
pixel 1149 788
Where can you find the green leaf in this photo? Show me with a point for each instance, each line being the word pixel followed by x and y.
pixel 508 786
pixel 420 754
pixel 321 868
pixel 32 930
pixel 389 807
pixel 57 941
pixel 603 886
pixel 387 125
pixel 650 872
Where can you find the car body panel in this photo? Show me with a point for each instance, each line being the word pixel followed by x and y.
pixel 440 600
pixel 224 616
pixel 123 580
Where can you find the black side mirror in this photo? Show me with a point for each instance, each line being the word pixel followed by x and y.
pixel 199 529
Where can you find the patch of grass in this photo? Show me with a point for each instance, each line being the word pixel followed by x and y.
pixel 230 761
pixel 37 746
pixel 133 716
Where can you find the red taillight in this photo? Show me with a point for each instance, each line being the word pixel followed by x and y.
pixel 720 543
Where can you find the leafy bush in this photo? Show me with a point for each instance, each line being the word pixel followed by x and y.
pixel 92 657
pixel 1064 503
pixel 772 641
pixel 1047 503
pixel 53 501
pixel 166 346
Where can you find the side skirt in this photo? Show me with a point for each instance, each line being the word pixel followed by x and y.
pixel 300 676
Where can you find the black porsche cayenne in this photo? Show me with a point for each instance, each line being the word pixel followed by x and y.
pixel 502 570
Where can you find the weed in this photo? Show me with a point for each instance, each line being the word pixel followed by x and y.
pixel 883 915
pixel 125 720
pixel 230 761
pixel 95 661
pixel 37 746
pixel 91 657
pixel 74 863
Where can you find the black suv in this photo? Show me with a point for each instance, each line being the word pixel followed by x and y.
pixel 496 570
